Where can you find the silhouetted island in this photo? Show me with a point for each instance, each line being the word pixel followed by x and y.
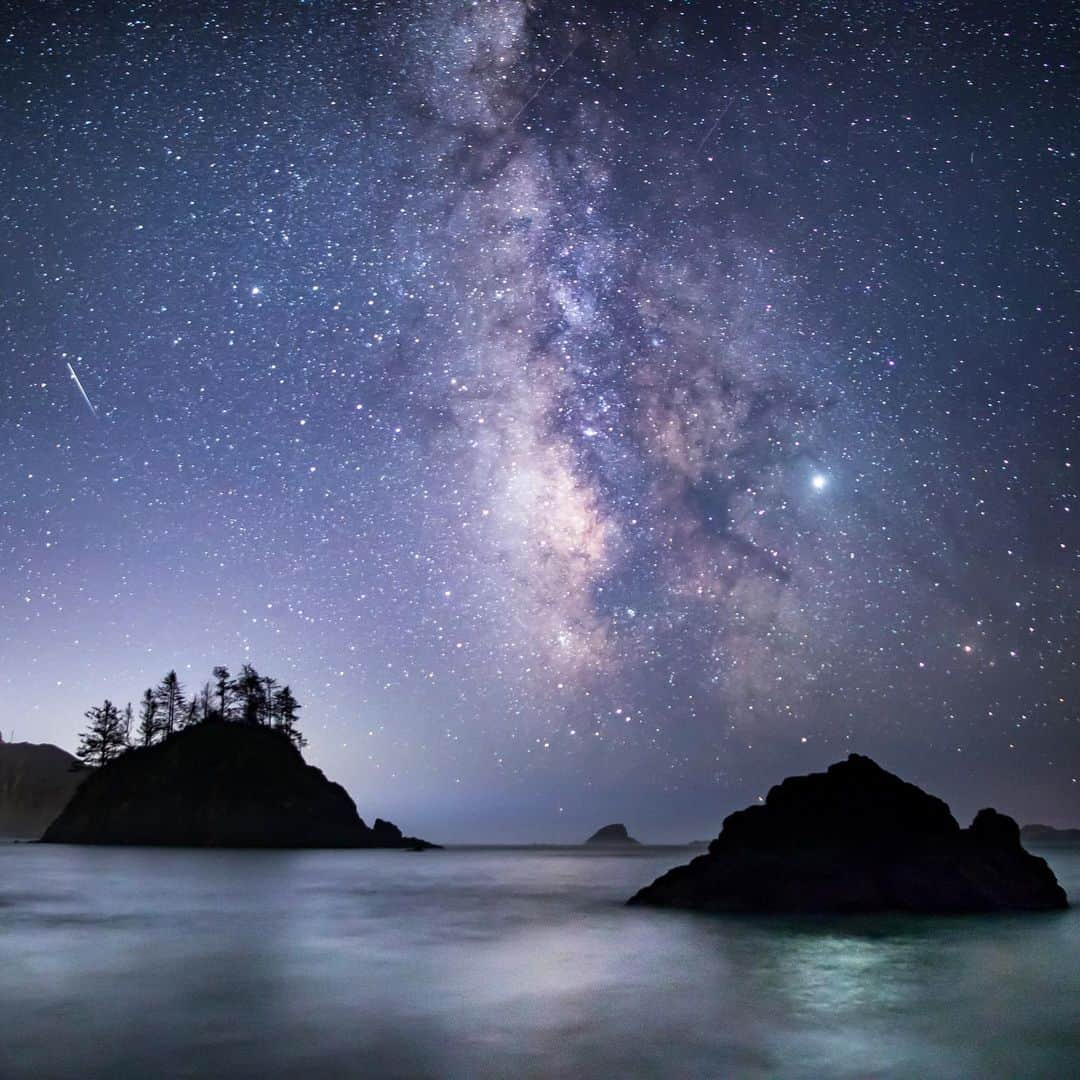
pixel 858 839
pixel 218 784
pixel 36 781
pixel 1048 836
pixel 611 836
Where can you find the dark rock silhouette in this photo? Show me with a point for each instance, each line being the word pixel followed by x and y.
pixel 218 785
pixel 611 836
pixel 1048 836
pixel 858 839
pixel 36 781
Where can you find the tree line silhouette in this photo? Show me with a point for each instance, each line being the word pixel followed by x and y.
pixel 246 698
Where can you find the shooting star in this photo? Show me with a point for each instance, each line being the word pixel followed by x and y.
pixel 536 93
pixel 716 123
pixel 89 404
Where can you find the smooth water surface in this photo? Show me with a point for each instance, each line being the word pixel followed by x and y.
pixel 499 962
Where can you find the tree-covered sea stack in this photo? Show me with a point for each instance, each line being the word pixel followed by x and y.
pixel 218 784
pixel 222 768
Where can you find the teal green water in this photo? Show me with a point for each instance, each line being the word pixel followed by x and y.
pixel 514 962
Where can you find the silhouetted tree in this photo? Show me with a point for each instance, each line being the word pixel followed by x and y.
pixel 223 687
pixel 205 706
pixel 170 699
pixel 269 687
pixel 285 709
pixel 149 725
pixel 104 739
pixel 191 712
pixel 249 698
pixel 248 690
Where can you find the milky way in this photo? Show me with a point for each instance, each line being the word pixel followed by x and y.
pixel 592 410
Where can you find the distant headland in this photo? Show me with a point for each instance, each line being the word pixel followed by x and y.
pixel 859 839
pixel 36 781
pixel 1048 836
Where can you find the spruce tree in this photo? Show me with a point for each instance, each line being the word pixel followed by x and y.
pixel 247 689
pixel 223 689
pixel 191 712
pixel 170 699
pixel 149 725
pixel 104 739
pixel 269 695
pixel 205 706
pixel 285 709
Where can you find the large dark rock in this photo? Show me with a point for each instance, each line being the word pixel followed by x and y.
pixel 611 836
pixel 855 839
pixel 1048 836
pixel 36 781
pixel 218 785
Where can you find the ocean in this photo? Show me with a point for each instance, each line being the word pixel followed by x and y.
pixel 501 962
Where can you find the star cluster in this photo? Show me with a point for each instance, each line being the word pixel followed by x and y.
pixel 582 405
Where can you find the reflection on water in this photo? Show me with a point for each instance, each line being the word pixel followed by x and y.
pixel 499 963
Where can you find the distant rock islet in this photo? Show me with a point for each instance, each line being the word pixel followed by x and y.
pixel 612 836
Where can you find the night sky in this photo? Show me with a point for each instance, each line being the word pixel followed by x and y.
pixel 596 412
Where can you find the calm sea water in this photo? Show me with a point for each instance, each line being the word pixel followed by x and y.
pixel 488 962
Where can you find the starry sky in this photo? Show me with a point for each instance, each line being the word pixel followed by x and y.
pixel 595 411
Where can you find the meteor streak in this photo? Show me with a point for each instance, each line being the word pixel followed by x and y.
pixel 89 404
pixel 716 123
pixel 536 93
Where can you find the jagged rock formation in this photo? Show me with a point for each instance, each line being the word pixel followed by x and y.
pixel 218 785
pixel 36 781
pixel 857 839
pixel 611 836
pixel 1048 836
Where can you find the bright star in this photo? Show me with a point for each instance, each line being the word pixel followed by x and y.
pixel 819 481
